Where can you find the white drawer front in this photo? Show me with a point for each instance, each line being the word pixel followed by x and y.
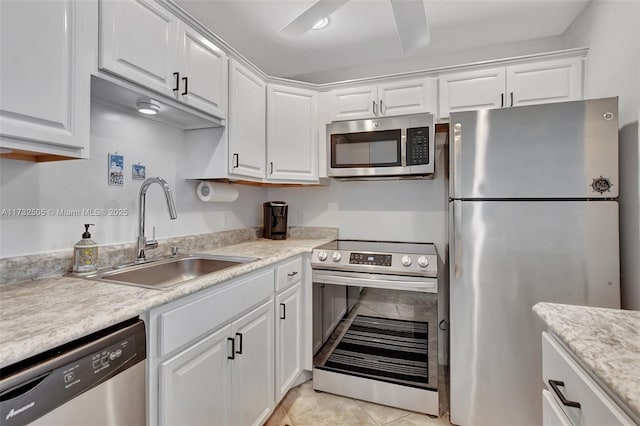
pixel 596 407
pixel 288 273
pixel 187 322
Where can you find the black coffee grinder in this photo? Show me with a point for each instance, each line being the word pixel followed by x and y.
pixel 275 220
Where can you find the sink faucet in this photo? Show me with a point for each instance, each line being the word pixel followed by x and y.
pixel 142 241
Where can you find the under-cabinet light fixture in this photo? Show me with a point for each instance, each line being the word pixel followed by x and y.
pixel 149 107
pixel 321 24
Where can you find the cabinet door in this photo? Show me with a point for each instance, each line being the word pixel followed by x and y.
pixel 203 73
pixel 292 134
pixel 247 122
pixel 354 103
pixel 139 41
pixel 406 97
pixel 46 55
pixel 471 90
pixel 545 82
pixel 253 373
pixel 288 338
pixel 194 385
pixel 552 414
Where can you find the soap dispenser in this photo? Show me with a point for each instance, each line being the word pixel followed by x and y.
pixel 85 253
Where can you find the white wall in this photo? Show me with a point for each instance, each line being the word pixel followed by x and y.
pixel 78 184
pixel 611 31
pixel 398 210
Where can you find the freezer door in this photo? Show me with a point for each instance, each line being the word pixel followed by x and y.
pixel 506 257
pixel 561 150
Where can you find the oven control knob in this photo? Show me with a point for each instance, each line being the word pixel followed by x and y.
pixel 322 256
pixel 336 256
pixel 406 260
pixel 423 262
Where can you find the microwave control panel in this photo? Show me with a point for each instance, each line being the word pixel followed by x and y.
pixel 418 146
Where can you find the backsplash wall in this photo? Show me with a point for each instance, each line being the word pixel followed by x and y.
pixel 82 184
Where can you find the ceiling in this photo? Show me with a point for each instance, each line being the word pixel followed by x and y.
pixel 364 32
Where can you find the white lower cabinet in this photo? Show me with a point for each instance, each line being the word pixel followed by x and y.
pixel 252 367
pixel 572 397
pixel 194 385
pixel 211 355
pixel 288 338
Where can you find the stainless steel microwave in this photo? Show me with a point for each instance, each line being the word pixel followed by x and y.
pixel 400 146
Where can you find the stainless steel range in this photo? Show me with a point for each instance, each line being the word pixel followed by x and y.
pixel 375 321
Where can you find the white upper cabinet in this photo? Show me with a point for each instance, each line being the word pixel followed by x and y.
pixel 545 82
pixel 145 43
pixel 388 99
pixel 477 89
pixel 47 51
pixel 292 134
pixel 139 41
pixel 247 122
pixel 555 80
pixel 203 72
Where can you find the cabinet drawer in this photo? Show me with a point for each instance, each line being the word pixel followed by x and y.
pixel 187 322
pixel 596 407
pixel 288 273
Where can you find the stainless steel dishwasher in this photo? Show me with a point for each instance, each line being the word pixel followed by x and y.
pixel 96 380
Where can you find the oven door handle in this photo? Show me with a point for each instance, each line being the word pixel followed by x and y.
pixel 423 285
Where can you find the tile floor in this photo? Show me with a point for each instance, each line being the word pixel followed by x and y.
pixel 303 406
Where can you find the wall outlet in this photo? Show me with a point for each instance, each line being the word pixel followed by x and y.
pixel 225 220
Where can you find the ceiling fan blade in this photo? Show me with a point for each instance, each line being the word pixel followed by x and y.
pixel 411 22
pixel 310 17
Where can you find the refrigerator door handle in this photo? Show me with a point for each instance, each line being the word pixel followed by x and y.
pixel 455 176
pixel 457 237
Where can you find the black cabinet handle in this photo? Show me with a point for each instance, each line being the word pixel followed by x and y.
pixel 177 85
pixel 381 107
pixel 271 167
pixel 239 351
pixel 186 86
pixel 554 385
pixel 501 100
pixel 511 98
pixel 233 348
pixel 283 311
pixel 293 274
pixel 236 160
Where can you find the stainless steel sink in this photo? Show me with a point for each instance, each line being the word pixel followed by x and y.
pixel 164 274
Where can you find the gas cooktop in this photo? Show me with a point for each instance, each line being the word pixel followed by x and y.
pixel 382 257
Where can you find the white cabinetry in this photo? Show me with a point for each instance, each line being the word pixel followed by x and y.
pixel 572 396
pixel 289 325
pixel 211 355
pixel 292 134
pixel 388 99
pixel 555 80
pixel 47 51
pixel 145 43
pixel 247 122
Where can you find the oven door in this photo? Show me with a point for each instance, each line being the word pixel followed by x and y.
pixel 376 327
pixel 369 153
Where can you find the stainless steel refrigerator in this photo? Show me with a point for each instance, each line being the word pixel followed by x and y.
pixel 533 218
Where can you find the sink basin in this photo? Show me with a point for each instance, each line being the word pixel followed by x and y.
pixel 164 274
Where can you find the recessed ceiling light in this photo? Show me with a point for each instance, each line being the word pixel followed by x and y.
pixel 149 107
pixel 321 24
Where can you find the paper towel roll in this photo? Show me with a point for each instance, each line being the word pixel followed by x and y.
pixel 214 191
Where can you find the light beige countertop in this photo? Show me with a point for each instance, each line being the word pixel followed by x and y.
pixel 39 315
pixel 606 341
